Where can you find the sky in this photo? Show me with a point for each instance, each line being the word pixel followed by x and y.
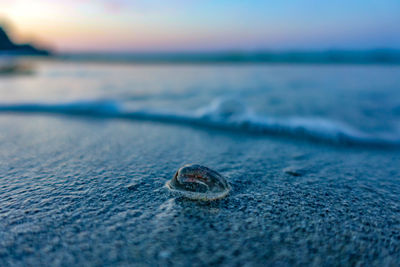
pixel 203 25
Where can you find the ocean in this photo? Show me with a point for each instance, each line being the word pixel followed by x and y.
pixel 311 150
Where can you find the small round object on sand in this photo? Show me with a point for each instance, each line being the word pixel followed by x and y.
pixel 198 182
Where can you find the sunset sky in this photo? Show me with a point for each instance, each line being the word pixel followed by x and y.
pixel 204 25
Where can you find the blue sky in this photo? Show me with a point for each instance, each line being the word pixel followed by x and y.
pixel 177 25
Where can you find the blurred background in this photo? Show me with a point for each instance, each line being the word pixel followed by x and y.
pixel 326 66
pixel 202 26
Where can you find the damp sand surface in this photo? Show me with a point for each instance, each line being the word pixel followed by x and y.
pixel 90 191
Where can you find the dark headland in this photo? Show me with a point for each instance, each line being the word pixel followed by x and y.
pixel 7 46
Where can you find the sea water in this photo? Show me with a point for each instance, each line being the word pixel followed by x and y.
pixel 350 104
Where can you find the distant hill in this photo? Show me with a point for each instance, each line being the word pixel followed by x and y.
pixel 376 56
pixel 9 47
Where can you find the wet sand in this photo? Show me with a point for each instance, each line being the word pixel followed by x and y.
pixel 90 192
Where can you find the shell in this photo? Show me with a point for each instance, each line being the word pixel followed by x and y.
pixel 199 182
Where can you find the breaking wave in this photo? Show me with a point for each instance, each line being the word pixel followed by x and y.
pixel 225 114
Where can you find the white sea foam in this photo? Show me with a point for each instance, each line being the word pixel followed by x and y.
pixel 225 114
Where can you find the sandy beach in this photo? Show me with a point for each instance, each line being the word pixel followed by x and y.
pixel 78 189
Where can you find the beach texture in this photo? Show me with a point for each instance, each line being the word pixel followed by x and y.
pixel 86 186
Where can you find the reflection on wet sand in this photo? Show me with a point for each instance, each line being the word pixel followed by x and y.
pixel 15 67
